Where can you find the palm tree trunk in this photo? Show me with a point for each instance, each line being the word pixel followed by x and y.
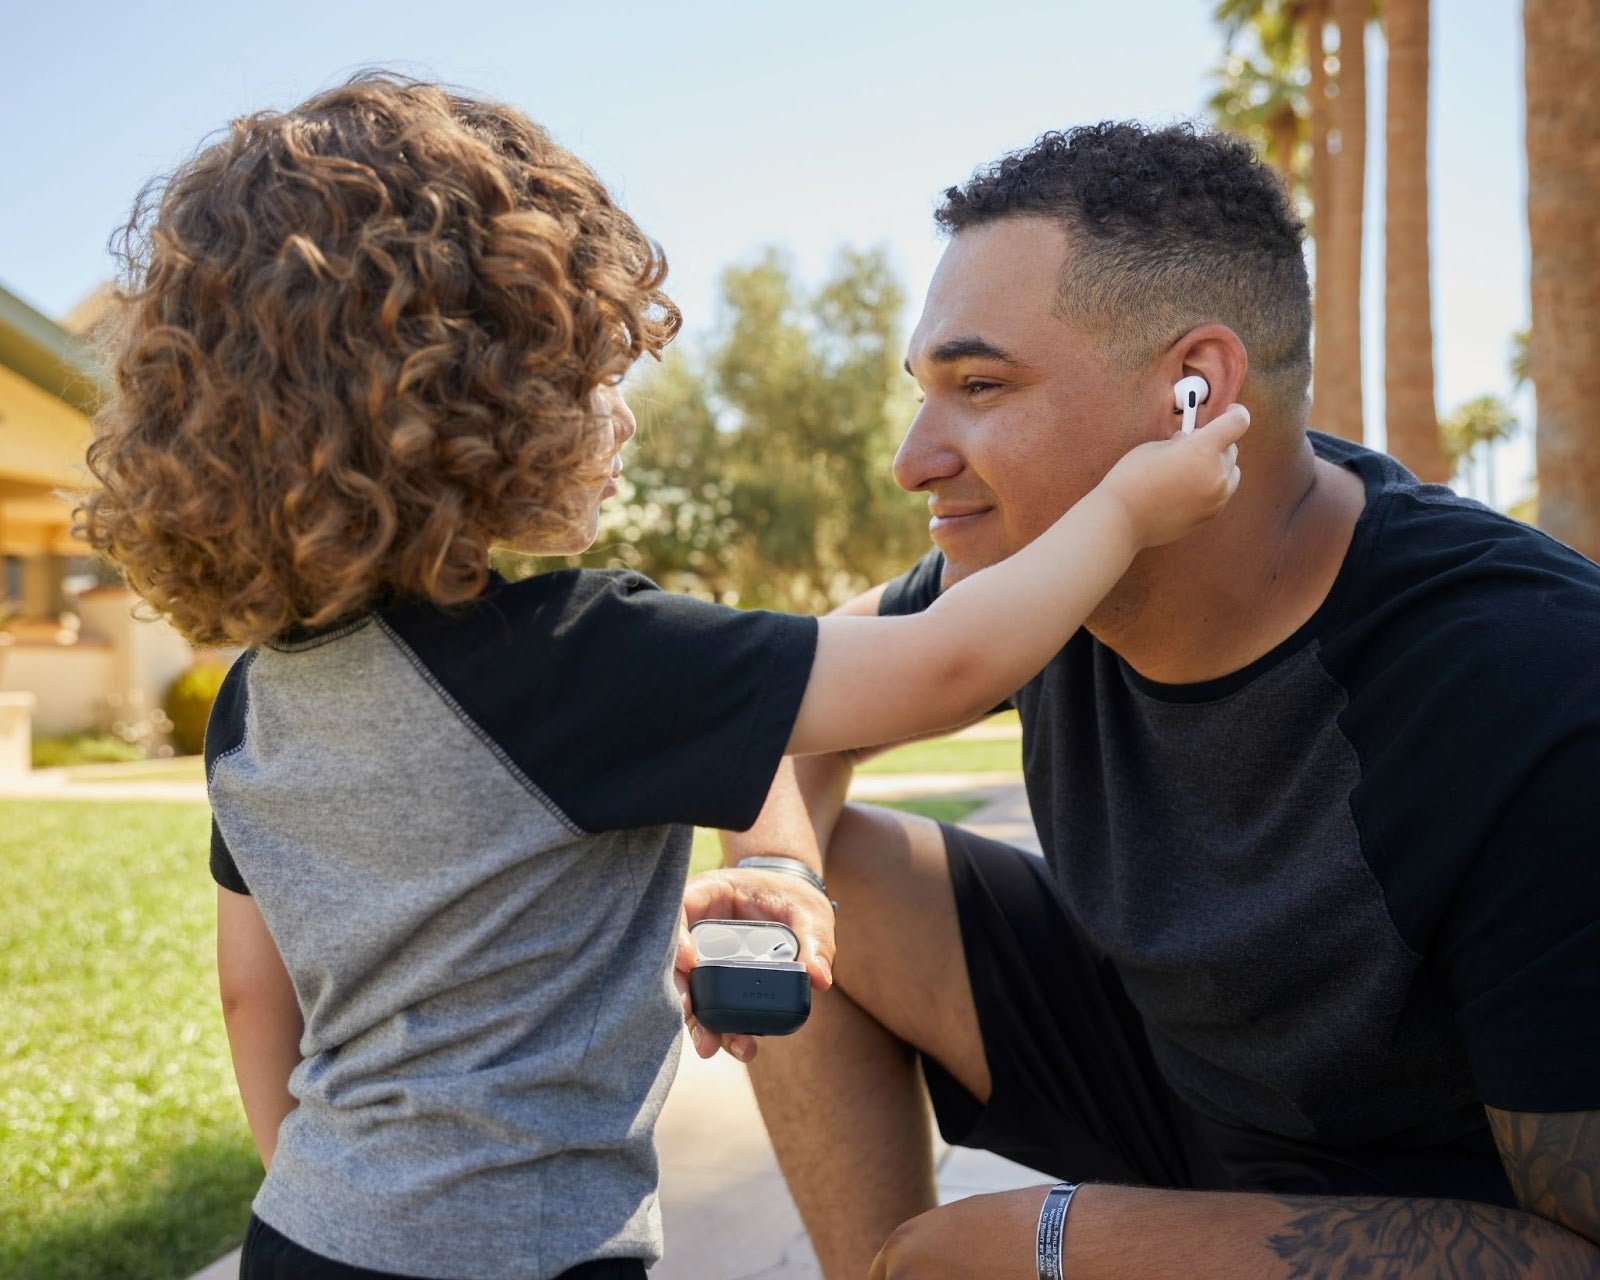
pixel 1562 73
pixel 1409 407
pixel 1316 20
pixel 1347 197
pixel 1284 131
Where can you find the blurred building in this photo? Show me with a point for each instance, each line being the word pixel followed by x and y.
pixel 72 657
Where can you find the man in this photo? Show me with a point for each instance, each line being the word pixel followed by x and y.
pixel 1318 920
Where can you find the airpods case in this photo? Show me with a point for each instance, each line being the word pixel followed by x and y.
pixel 746 978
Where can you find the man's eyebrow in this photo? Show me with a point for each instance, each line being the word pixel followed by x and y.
pixel 970 348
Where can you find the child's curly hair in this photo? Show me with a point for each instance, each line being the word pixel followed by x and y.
pixel 357 343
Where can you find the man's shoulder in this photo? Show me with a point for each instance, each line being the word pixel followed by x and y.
pixel 1439 580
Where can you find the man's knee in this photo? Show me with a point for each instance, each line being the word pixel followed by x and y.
pixel 889 874
pixel 900 954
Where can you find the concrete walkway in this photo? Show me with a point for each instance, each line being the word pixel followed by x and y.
pixel 123 783
pixel 137 780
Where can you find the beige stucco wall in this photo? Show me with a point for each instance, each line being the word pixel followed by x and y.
pixel 42 438
pixel 68 682
pixel 116 655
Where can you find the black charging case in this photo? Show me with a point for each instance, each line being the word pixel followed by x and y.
pixel 746 980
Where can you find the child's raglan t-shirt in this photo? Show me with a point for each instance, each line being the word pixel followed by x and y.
pixel 465 830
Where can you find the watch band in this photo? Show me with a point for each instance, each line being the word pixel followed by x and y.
pixel 789 866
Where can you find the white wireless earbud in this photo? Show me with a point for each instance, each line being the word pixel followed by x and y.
pixel 1188 394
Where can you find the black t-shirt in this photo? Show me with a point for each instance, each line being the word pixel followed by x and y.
pixel 1354 887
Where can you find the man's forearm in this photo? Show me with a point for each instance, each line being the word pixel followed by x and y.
pixel 1119 1233
pixel 797 820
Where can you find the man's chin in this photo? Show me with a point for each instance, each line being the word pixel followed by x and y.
pixel 957 567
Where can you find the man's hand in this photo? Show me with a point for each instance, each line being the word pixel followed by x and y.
pixel 993 1236
pixel 733 894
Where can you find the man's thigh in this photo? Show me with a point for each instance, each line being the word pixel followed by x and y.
pixel 960 946
pixel 900 955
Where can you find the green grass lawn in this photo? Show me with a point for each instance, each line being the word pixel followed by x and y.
pixel 708 850
pixel 53 750
pixel 951 755
pixel 123 1149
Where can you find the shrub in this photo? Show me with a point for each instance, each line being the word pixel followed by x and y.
pixel 53 751
pixel 188 704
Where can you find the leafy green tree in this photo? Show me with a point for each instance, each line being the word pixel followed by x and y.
pixel 1478 425
pixel 1262 85
pixel 761 472
pixel 1520 376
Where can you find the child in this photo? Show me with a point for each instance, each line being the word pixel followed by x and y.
pixel 364 341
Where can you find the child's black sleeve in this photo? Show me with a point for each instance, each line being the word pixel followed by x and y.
pixel 224 732
pixel 627 706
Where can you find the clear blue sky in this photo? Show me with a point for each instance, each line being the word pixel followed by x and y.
pixel 729 126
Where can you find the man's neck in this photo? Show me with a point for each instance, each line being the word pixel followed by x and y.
pixel 1234 589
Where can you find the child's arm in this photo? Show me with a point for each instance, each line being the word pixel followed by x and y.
pixel 880 679
pixel 262 1016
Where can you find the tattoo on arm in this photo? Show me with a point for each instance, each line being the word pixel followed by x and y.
pixel 1553 1162
pixel 1365 1238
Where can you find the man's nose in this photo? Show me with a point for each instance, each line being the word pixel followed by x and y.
pixel 928 453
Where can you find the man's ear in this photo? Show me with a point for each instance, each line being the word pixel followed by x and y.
pixel 1213 352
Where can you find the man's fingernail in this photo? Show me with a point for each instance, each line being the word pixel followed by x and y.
pixel 740 1051
pixel 827 970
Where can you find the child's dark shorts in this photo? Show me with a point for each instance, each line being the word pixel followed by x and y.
pixel 1076 1092
pixel 271 1255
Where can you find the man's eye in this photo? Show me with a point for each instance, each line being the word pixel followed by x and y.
pixel 977 386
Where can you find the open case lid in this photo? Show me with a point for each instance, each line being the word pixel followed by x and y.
pixel 744 942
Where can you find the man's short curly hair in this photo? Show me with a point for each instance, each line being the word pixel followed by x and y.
pixel 358 343
pixel 1170 228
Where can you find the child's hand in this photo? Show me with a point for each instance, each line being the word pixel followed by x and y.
pixel 1170 486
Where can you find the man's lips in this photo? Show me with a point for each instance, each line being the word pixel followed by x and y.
pixel 953 519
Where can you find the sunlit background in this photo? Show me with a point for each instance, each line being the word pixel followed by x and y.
pixel 728 127
pixel 788 158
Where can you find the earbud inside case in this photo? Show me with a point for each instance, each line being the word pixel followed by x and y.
pixel 746 979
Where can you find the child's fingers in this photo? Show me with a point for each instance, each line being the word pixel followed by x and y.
pixel 1227 427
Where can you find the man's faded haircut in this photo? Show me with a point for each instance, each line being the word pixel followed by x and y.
pixel 1171 228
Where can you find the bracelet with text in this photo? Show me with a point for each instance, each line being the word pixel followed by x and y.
pixel 1052 1227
